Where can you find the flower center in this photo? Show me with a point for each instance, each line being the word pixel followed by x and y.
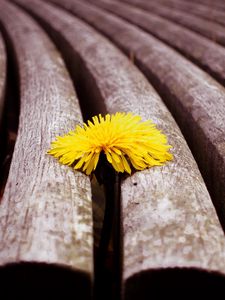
pixel 104 147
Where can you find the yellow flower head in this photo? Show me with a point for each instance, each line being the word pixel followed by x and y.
pixel 123 137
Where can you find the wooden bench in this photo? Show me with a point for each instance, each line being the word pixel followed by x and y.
pixel 171 239
pixel 205 53
pixel 169 226
pixel 195 99
pixel 218 4
pixel 210 12
pixel 46 236
pixel 206 28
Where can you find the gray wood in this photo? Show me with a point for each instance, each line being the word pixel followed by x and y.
pixel 207 11
pixel 168 219
pixel 2 75
pixel 212 3
pixel 196 100
pixel 207 54
pixel 206 28
pixel 46 210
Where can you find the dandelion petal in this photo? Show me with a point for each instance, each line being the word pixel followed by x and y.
pixel 123 137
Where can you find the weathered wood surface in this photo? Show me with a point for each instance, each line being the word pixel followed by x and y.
pixel 196 100
pixel 46 210
pixel 168 218
pixel 214 4
pixel 206 28
pixel 208 11
pixel 219 4
pixel 2 76
pixel 207 54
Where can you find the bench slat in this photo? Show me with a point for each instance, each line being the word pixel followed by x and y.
pixel 167 215
pixel 46 210
pixel 195 99
pixel 213 3
pixel 206 28
pixel 210 12
pixel 207 54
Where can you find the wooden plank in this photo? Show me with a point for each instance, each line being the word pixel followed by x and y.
pixel 2 76
pixel 212 4
pixel 205 53
pixel 168 218
pixel 195 99
pixel 209 12
pixel 181 98
pixel 206 28
pixel 46 210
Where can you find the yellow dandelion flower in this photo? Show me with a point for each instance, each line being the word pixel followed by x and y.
pixel 123 138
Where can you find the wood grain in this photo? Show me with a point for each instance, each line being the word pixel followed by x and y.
pixel 2 76
pixel 206 28
pixel 207 11
pixel 168 220
pixel 195 99
pixel 205 53
pixel 214 4
pixel 46 210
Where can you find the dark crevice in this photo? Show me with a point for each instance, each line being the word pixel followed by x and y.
pixel 11 110
pixel 39 281
pixel 107 233
pixel 107 253
pixel 176 283
pixel 118 240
